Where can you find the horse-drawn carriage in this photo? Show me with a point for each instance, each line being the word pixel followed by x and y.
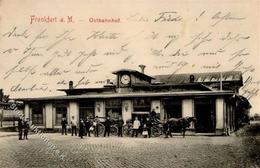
pixel 101 127
pixel 173 125
pixel 156 129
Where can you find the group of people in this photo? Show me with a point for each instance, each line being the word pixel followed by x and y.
pixel 85 127
pixel 145 126
pixel 23 129
pixel 88 125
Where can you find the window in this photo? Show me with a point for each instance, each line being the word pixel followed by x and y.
pixel 87 108
pixel 113 108
pixel 173 107
pixel 61 111
pixel 37 113
pixel 142 105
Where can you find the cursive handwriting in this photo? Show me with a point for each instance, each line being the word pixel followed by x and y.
pixel 34 87
pixel 101 35
pixel 220 17
pixel 168 17
pixel 199 39
pixel 14 33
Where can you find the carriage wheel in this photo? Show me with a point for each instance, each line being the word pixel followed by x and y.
pixel 156 131
pixel 113 130
pixel 101 130
pixel 127 131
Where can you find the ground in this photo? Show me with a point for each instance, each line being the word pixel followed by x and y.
pixel 192 151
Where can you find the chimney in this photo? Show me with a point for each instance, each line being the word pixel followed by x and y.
pixel 142 68
pixel 70 84
pixel 192 78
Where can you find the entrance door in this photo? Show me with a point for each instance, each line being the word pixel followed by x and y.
pixel 173 108
pixel 86 108
pixel 205 115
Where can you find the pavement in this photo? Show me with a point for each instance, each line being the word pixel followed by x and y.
pixel 5 134
pixel 127 152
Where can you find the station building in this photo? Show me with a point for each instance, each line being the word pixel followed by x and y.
pixel 210 97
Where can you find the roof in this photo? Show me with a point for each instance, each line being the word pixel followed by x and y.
pixel 135 72
pixel 86 90
pixel 227 76
pixel 183 86
pixel 130 95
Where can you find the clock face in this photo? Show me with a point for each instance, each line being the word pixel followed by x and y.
pixel 125 79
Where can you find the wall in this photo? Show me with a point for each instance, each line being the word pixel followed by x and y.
pixel 220 113
pixel 188 109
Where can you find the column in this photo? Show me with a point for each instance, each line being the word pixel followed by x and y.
pixel 73 110
pixel 48 115
pixel 127 109
pixel 156 105
pixel 219 113
pixel 100 110
pixel 188 109
pixel 27 111
pixel 162 113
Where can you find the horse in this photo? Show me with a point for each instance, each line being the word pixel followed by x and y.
pixel 180 124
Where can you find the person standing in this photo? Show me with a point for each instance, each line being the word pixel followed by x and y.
pixel 96 126
pixel 136 126
pixel 120 126
pixel 87 125
pixel 20 128
pixel 73 126
pixel 153 116
pixel 107 126
pixel 145 132
pixel 26 129
pixel 64 124
pixel 149 127
pixel 81 128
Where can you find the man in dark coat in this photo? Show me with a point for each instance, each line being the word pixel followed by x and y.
pixel 26 129
pixel 20 129
pixel 107 126
pixel 81 128
pixel 96 126
pixel 153 114
pixel 64 124
pixel 120 126
pixel 87 125
pixel 149 127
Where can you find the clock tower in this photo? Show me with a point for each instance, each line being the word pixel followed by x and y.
pixel 127 78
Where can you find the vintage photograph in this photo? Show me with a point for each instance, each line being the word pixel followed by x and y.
pixel 129 84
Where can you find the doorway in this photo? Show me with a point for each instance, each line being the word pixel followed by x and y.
pixel 205 114
pixel 173 108
pixel 86 108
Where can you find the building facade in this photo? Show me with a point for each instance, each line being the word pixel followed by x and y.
pixel 210 97
pixel 9 116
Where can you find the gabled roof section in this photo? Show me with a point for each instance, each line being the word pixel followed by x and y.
pixel 213 77
pixel 131 71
